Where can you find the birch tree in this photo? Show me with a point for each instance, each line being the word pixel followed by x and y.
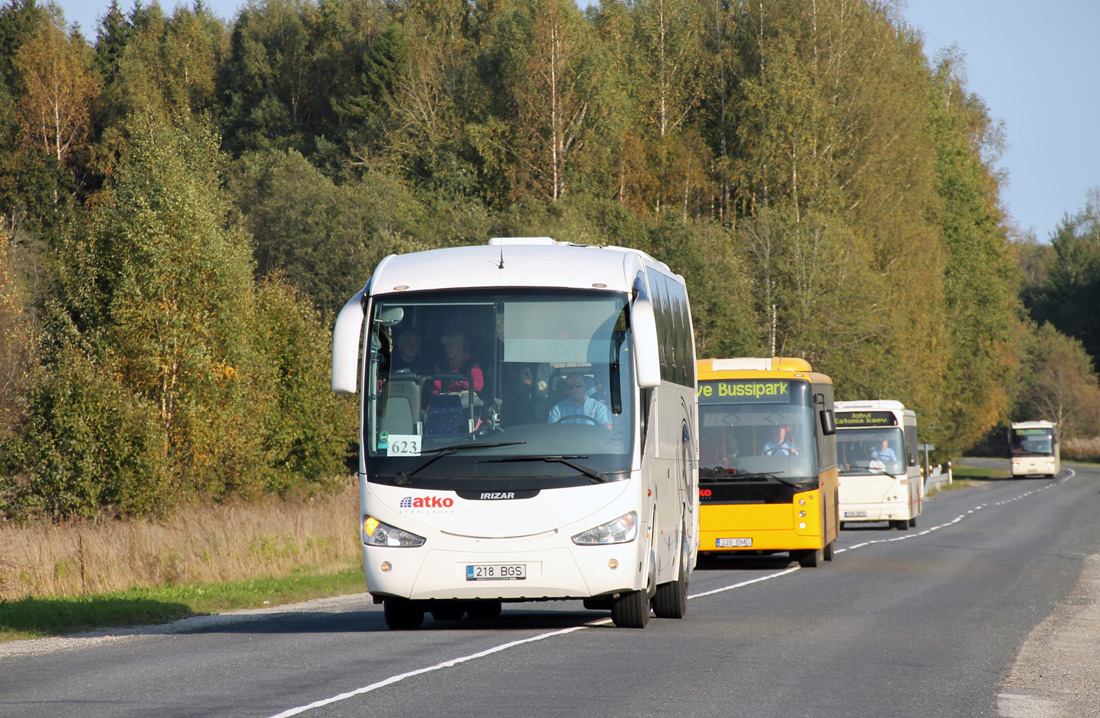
pixel 58 89
pixel 554 78
pixel 673 71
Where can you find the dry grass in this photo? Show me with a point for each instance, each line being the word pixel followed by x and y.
pixel 1081 449
pixel 198 545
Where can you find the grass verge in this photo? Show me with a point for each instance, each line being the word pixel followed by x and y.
pixel 978 474
pixel 57 616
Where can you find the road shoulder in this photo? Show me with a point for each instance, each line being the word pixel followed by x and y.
pixel 1057 671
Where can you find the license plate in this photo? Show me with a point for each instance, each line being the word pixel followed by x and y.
pixel 855 514
pixel 496 572
pixel 734 543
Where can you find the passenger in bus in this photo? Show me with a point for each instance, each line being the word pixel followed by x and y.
pixel 456 360
pixel 578 407
pixel 717 451
pixel 883 453
pixel 408 357
pixel 781 443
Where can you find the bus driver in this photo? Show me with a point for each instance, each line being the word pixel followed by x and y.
pixel 578 407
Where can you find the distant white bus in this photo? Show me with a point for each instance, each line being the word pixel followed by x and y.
pixel 541 446
pixel 880 477
pixel 1034 448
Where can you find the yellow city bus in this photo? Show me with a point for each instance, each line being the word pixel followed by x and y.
pixel 767 459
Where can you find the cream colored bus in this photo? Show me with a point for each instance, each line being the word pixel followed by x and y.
pixel 1034 448
pixel 880 477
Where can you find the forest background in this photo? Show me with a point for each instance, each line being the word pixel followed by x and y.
pixel 187 203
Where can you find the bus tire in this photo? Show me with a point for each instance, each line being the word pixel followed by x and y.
pixel 630 610
pixel 483 610
pixel 402 614
pixel 670 601
pixel 829 550
pixel 900 525
pixel 809 558
pixel 913 522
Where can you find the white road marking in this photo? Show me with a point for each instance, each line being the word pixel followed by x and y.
pixel 769 577
pixel 439 666
pixel 1071 473
pixel 604 621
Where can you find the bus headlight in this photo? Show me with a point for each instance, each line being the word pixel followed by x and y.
pixel 376 533
pixel 622 530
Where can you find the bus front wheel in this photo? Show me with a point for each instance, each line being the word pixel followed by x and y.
pixel 630 610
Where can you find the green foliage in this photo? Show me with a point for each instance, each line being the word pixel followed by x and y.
pixel 167 295
pixel 87 446
pixel 172 374
pixel 322 236
pixel 981 279
pixel 18 21
pixel 720 289
pixel 1067 278
pixel 824 191
pixel 308 430
pixel 18 341
pixel 1058 383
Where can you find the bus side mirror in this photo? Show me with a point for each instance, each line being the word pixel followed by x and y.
pixel 647 353
pixel 345 345
pixel 828 422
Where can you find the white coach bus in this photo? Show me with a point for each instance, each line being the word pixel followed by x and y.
pixel 541 444
pixel 1034 448
pixel 880 477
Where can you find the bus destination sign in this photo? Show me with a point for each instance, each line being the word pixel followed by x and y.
pixel 745 392
pixel 865 418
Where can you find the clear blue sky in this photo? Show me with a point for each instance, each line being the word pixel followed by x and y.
pixel 88 12
pixel 1036 65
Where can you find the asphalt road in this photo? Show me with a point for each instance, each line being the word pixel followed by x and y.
pixel 925 622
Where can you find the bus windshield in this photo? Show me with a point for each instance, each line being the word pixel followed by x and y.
pixel 1036 442
pixel 870 451
pixel 533 388
pixel 755 434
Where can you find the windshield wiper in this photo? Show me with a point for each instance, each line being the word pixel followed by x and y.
pixel 596 476
pixel 854 470
pixel 404 476
pixel 758 475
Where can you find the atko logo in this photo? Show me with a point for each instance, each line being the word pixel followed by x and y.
pixel 427 502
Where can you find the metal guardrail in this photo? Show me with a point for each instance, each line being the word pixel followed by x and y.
pixel 937 478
